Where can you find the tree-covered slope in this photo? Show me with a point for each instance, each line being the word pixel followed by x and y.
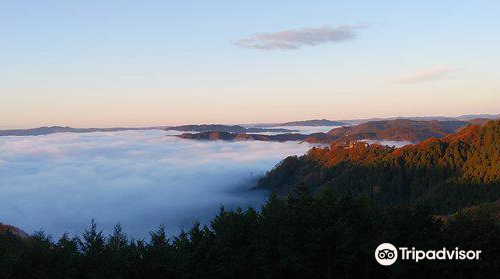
pixel 4 228
pixel 455 171
pixel 300 237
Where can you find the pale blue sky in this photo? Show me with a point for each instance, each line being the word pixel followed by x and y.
pixel 139 63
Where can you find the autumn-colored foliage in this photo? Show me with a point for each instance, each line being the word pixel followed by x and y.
pixel 450 172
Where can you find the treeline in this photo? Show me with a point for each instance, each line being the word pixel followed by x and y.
pixel 300 237
pixel 449 173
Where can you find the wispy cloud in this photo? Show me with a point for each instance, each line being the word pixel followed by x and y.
pixel 297 38
pixel 427 75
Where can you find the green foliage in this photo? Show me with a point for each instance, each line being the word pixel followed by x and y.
pixel 301 237
pixel 448 174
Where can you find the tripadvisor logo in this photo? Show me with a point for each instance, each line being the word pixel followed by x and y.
pixel 387 254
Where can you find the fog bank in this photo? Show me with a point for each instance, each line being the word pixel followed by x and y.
pixel 141 179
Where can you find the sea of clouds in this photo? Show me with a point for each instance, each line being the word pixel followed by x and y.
pixel 306 130
pixel 142 179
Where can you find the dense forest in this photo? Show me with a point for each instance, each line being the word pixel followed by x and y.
pixel 458 170
pixel 303 236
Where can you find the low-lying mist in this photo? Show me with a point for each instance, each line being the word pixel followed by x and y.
pixel 393 143
pixel 141 179
pixel 306 130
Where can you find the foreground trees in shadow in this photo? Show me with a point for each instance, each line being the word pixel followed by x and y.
pixel 300 237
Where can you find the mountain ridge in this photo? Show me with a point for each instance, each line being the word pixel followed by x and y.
pixel 46 130
pixel 226 128
pixel 392 130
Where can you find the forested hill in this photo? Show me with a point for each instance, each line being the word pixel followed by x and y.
pixel 392 130
pixel 449 173
pixel 398 130
pixel 4 228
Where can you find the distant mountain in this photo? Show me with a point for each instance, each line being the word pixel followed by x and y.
pixel 476 116
pixel 397 130
pixel 226 129
pixel 200 128
pixel 8 228
pixel 393 130
pixel 417 118
pixel 65 129
pixel 457 170
pixel 348 122
pixel 425 118
pixel 314 122
pixel 214 135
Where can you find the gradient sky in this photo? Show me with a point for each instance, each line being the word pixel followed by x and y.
pixel 140 63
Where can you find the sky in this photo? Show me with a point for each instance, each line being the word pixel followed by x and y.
pixel 145 63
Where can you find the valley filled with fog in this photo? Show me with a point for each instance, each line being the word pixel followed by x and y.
pixel 142 179
pixel 302 129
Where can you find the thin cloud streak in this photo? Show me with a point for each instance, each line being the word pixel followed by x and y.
pixel 297 38
pixel 427 75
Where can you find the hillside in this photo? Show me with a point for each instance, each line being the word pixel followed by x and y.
pixel 397 130
pixel 394 130
pixel 455 171
pixel 489 209
pixel 300 237
pixel 16 231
